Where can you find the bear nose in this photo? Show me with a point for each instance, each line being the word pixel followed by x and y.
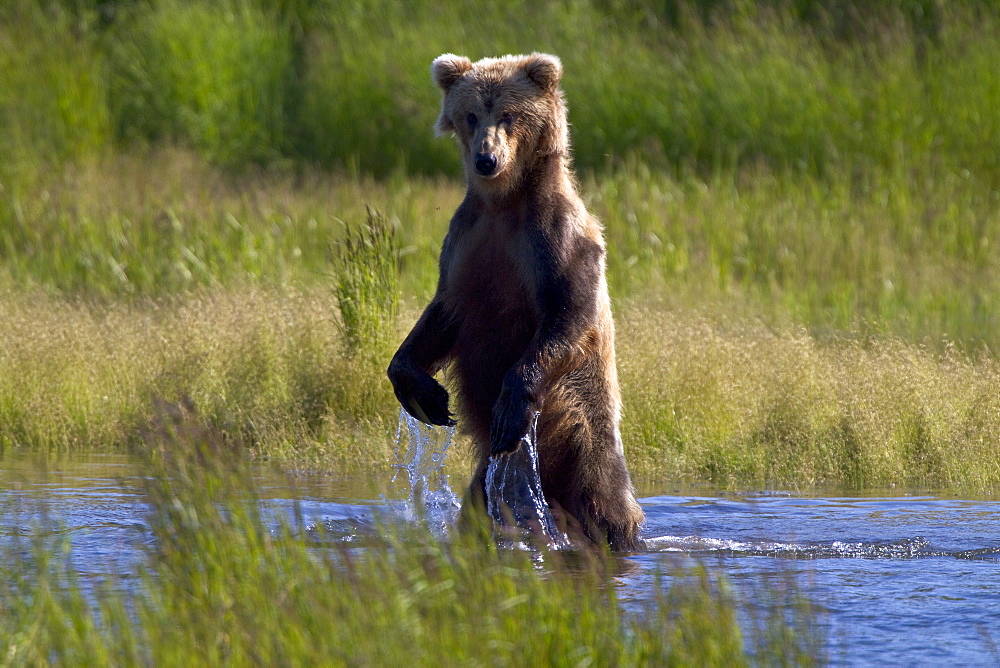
pixel 486 163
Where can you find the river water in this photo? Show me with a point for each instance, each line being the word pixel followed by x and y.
pixel 899 579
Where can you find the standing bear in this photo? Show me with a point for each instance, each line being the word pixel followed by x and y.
pixel 521 315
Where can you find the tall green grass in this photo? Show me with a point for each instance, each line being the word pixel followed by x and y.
pixel 898 253
pixel 218 585
pixel 367 282
pixel 818 174
pixel 904 254
pixel 214 75
pixel 820 86
pixel 53 92
pixel 162 222
pixel 708 397
pixel 733 401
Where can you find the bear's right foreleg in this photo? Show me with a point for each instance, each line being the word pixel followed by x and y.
pixel 410 371
pixel 423 397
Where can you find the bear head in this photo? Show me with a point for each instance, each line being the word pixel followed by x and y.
pixel 506 113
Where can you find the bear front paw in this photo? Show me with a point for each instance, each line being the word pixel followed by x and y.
pixel 421 396
pixel 511 420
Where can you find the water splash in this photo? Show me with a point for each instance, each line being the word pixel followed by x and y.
pixel 431 499
pixel 514 497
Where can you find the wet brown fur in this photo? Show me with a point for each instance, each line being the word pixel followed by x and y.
pixel 521 316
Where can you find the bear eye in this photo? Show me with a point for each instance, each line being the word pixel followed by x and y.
pixel 471 120
pixel 507 119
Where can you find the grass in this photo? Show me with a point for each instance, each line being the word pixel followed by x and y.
pixel 782 329
pixel 159 223
pixel 53 103
pixel 734 401
pixel 270 370
pixel 218 585
pixel 801 202
pixel 213 75
pixel 800 197
pixel 817 86
pixel 726 399
pixel 902 254
pixel 367 282
pixel 897 253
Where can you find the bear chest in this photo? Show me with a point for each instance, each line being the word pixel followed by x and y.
pixel 490 279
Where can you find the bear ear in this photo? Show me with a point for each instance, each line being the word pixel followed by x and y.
pixel 448 68
pixel 544 70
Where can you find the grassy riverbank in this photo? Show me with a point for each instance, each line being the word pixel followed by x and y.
pixel 774 330
pixel 708 396
pixel 801 204
pixel 783 330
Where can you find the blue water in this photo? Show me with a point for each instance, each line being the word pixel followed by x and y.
pixel 900 580
pixel 907 580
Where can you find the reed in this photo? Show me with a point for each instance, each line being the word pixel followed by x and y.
pixel 367 282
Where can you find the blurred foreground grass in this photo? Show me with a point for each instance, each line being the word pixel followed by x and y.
pixel 217 585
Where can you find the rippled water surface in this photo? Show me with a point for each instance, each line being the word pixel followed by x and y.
pixel 911 580
pixel 902 580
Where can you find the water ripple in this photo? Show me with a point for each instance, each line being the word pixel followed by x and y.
pixel 907 548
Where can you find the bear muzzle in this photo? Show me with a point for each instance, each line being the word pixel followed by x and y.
pixel 486 164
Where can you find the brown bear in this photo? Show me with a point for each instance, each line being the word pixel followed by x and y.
pixel 521 315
